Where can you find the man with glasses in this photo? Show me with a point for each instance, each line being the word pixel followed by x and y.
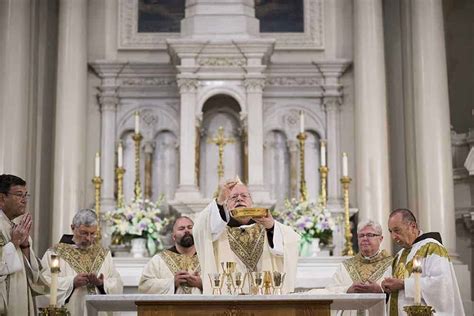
pixel 85 266
pixel 19 267
pixel 255 244
pixel 438 283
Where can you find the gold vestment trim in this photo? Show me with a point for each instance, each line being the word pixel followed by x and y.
pixel 247 244
pixel 179 262
pixel 364 270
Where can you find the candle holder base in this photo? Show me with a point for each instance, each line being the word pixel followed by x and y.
pixel 419 310
pixel 54 311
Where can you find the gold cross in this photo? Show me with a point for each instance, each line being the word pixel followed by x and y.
pixel 220 141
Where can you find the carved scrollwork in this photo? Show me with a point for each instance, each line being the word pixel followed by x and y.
pixel 154 81
pixel 222 62
pixel 187 85
pixel 294 81
pixel 254 85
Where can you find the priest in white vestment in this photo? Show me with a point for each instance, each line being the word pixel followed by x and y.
pixel 364 272
pixel 174 270
pixel 19 269
pixel 439 287
pixel 255 244
pixel 85 266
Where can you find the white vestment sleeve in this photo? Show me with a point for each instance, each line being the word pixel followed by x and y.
pixel 11 263
pixel 112 281
pixel 216 222
pixel 340 281
pixel 156 278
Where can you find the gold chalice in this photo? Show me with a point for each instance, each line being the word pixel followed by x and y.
pixel 278 279
pixel 267 282
pixel 257 282
pixel 229 267
pixel 238 279
pixel 216 283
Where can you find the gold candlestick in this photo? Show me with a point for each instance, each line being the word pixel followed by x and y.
pixel 323 171
pixel 303 190
pixel 54 311
pixel 419 310
pixel 347 251
pixel 97 181
pixel 119 172
pixel 137 137
pixel 221 141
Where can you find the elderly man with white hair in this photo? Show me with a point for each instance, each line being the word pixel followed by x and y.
pixel 85 266
pixel 364 272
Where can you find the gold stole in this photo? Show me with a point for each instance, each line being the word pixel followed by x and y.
pixel 363 270
pixel 82 260
pixel 178 262
pixel 247 244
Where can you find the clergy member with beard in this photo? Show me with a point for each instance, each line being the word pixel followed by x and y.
pixel 255 244
pixel 174 270
pixel 85 266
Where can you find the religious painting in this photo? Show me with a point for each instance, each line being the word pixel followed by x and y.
pixel 280 16
pixel 160 16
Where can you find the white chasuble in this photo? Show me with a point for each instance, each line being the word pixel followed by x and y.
pixel 246 245
pixel 439 287
pixel 158 274
pixel 20 278
pixel 72 261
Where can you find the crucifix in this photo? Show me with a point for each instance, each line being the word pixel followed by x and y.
pixel 220 140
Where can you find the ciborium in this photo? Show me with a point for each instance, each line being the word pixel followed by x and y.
pixel 256 282
pixel 229 267
pixel 278 278
pixel 216 283
pixel 419 310
pixel 238 279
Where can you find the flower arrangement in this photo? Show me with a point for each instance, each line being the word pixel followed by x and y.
pixel 139 219
pixel 309 220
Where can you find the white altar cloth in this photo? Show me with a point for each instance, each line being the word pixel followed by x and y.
pixel 374 303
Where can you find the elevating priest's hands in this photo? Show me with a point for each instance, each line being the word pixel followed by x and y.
pixel 367 287
pixel 268 222
pixel 224 191
pixel 21 231
pixel 392 284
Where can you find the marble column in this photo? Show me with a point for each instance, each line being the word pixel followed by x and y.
pixel 15 50
pixel 372 184
pixel 254 89
pixel 431 121
pixel 187 189
pixel 70 121
pixel 334 193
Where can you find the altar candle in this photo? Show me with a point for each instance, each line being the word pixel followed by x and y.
pixel 53 298
pixel 301 122
pixel 345 168
pixel 417 276
pixel 120 155
pixel 97 165
pixel 323 153
pixel 137 122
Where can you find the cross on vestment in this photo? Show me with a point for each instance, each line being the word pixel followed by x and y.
pixel 220 140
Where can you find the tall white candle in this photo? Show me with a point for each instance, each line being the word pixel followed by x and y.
pixel 345 168
pixel 323 153
pixel 137 122
pixel 120 155
pixel 301 122
pixel 97 165
pixel 417 276
pixel 53 297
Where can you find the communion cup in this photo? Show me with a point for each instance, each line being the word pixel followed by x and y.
pixel 238 279
pixel 257 282
pixel 267 282
pixel 216 283
pixel 278 278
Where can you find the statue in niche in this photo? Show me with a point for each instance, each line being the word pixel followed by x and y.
pixel 280 16
pixel 156 16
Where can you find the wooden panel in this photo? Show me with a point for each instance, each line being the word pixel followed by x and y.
pixel 234 308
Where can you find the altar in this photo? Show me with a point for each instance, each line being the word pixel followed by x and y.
pixel 312 272
pixel 239 305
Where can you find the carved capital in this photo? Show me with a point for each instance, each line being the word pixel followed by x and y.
pixel 187 85
pixel 254 85
pixel 332 104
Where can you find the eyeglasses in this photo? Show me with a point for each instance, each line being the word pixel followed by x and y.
pixel 369 235
pixel 86 234
pixel 20 195
pixel 241 195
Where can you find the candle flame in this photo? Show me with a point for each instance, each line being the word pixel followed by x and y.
pixel 54 261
